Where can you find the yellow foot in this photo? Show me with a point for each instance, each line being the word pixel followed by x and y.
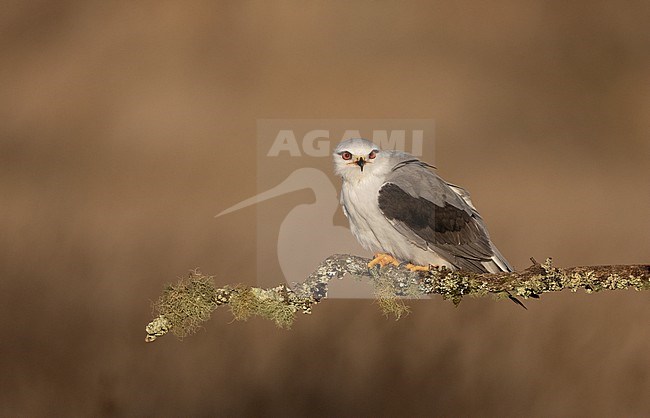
pixel 383 260
pixel 415 267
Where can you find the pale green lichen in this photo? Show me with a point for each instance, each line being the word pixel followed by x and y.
pixel 156 328
pixel 391 287
pixel 550 279
pixel 616 282
pixel 188 303
pixel 272 304
pixel 390 304
pixel 184 306
pixel 451 285
pixel 554 279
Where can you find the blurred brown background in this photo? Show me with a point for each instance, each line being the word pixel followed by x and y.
pixel 125 127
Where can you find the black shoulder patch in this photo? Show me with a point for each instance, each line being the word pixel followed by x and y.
pixel 446 226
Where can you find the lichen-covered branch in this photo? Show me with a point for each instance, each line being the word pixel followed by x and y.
pixel 184 306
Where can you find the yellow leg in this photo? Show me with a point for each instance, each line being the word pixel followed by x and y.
pixel 415 267
pixel 383 260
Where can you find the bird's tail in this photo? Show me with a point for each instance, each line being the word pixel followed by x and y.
pixel 498 263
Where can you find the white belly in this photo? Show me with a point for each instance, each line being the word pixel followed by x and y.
pixel 374 232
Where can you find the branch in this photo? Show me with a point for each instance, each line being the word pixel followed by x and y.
pixel 183 307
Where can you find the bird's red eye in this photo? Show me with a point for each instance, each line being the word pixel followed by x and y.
pixel 346 155
pixel 372 154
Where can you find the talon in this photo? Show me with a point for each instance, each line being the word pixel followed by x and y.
pixel 383 260
pixel 415 267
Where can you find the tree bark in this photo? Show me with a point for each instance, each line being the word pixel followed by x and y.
pixel 184 306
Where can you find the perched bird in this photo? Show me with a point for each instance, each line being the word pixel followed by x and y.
pixel 405 213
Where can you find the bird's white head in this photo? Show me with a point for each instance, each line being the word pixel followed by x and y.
pixel 357 159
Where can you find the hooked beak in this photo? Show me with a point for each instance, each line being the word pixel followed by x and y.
pixel 360 162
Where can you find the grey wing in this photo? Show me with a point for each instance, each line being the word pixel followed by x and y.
pixel 435 215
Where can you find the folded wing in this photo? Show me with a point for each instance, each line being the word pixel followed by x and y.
pixel 437 216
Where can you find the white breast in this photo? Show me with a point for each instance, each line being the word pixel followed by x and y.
pixel 362 209
pixel 371 228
